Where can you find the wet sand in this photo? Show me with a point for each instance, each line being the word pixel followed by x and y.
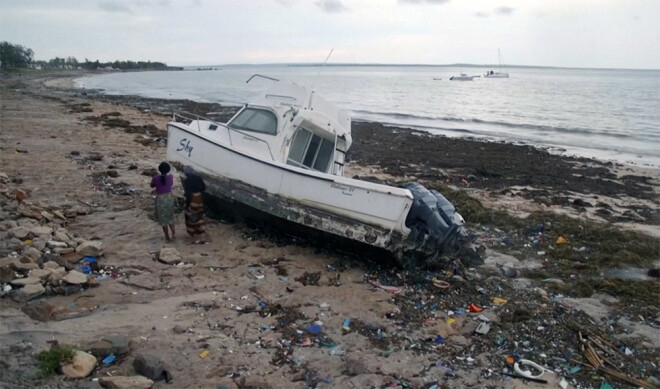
pixel 391 340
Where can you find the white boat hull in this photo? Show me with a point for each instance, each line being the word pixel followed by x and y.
pixel 366 212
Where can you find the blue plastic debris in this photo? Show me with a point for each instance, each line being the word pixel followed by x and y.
pixel 109 359
pixel 439 340
pixel 314 329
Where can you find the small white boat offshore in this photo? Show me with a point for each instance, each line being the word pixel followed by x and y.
pixel 462 77
pixel 500 73
pixel 281 159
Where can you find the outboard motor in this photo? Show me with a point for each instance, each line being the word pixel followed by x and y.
pixel 436 227
pixel 424 216
pixel 447 210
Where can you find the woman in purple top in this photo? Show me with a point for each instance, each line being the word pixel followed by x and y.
pixel 164 200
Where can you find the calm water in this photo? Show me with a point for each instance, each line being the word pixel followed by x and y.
pixel 606 114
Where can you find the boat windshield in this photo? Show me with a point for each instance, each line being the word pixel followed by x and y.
pixel 310 151
pixel 257 120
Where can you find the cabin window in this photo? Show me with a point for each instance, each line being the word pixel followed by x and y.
pixel 310 151
pixel 257 120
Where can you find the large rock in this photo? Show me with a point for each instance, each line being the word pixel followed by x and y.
pixel 169 256
pixel 6 274
pixel 149 366
pixel 23 267
pixel 90 248
pixel 30 254
pixel 81 365
pixel 19 193
pixel 123 382
pixel 41 231
pixel 118 345
pixel 28 292
pixel 75 277
pixel 26 281
pixel 50 265
pixel 63 236
pixel 47 215
pixel 40 242
pixel 19 232
pixel 15 244
pixel 41 273
pixel 57 275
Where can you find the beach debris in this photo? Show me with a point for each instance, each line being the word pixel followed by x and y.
pixel 389 289
pixel 309 278
pixel 483 328
pixel 109 360
pixel 136 381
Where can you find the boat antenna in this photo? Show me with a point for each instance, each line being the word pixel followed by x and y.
pixel 322 66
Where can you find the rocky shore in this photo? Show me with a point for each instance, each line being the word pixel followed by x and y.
pixel 570 280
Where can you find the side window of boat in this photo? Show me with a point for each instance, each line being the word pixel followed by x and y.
pixel 310 151
pixel 257 120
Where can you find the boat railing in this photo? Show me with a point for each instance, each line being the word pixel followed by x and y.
pixel 189 117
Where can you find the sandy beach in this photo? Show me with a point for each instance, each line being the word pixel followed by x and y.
pixel 280 311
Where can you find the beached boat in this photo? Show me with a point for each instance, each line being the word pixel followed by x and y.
pixel 500 73
pixel 462 77
pixel 282 157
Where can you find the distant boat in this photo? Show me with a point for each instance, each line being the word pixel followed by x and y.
pixel 500 73
pixel 462 77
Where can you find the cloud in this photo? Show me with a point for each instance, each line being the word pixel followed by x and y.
pixel 195 3
pixel 504 10
pixel 482 14
pixel 113 6
pixel 286 3
pixel 164 3
pixel 424 1
pixel 331 6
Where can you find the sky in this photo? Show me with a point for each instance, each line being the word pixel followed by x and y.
pixel 565 33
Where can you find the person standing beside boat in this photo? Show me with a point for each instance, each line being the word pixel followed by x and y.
pixel 193 188
pixel 164 200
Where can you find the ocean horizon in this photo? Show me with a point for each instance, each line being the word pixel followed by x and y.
pixel 607 114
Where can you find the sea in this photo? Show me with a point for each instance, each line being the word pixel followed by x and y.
pixel 606 114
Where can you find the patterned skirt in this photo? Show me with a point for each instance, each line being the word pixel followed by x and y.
pixel 165 209
pixel 195 224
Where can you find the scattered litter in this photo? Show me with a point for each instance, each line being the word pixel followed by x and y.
pixel 474 308
pixel 389 289
pixel 314 329
pixel 440 283
pixel 255 273
pixel 204 354
pixel 518 368
pixel 482 328
pixel 109 359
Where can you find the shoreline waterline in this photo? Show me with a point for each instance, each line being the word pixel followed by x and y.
pixel 545 110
